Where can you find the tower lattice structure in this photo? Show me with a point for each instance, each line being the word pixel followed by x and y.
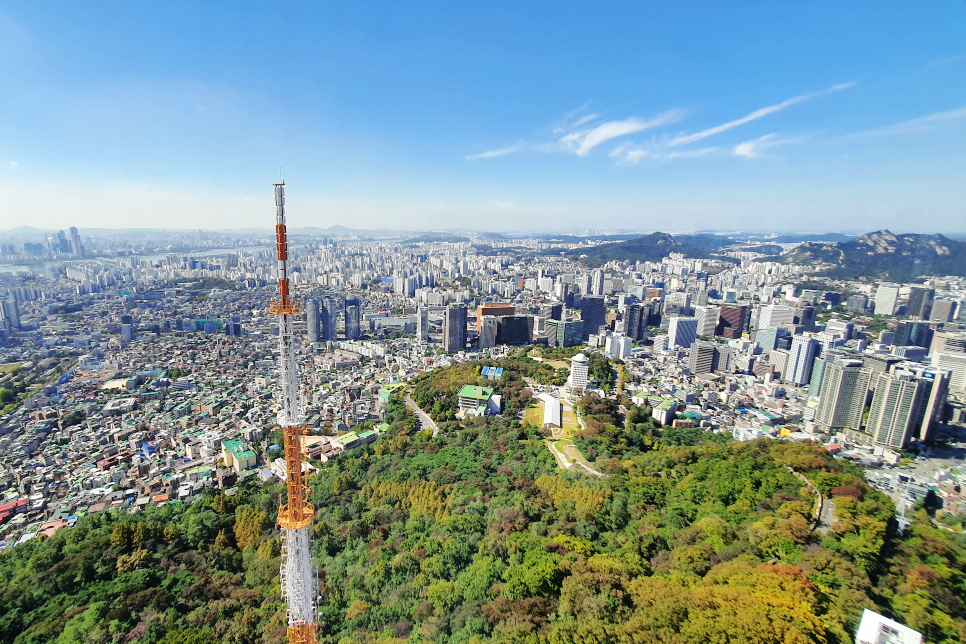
pixel 296 514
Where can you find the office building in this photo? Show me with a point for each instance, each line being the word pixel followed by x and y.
pixel 311 309
pixel 496 309
pixel 920 302
pixel 75 243
pixel 618 346
pixel 800 359
pixel 943 311
pixel 886 296
pixel 768 339
pixel 630 323
pixel 514 329
pixel 845 386
pixel 778 359
pixel 682 332
pixel 593 313
pixel 732 320
pixel 454 328
pixel 955 363
pixel 947 341
pixel 488 326
pixel 564 333
pixel 707 357
pixel 707 317
pixel 894 413
pixel 776 315
pixel 913 334
pixel 857 303
pixel 10 314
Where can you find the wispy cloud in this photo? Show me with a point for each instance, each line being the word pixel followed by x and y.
pixel 628 155
pixel 504 205
pixel 499 152
pixel 581 142
pixel 755 148
pixel 944 62
pixel 916 125
pixel 757 114
pixel 13 164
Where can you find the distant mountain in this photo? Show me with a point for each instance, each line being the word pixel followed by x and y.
pixel 883 254
pixel 651 248
pixel 793 238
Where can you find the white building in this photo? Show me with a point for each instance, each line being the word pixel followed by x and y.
pixel 876 629
pixel 579 368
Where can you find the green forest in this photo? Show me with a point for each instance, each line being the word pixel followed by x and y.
pixel 476 536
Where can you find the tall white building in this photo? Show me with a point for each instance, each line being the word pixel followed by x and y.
pixel 955 363
pixel 707 317
pixel 682 332
pixel 774 316
pixel 579 368
pixel 801 357
pixel 618 346
pixel 886 296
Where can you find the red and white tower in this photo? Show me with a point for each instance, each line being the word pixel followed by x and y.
pixel 296 514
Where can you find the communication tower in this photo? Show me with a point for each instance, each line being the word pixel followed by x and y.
pixel 296 514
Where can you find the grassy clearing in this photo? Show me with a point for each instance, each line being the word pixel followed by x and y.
pixel 10 366
pixel 557 364
pixel 533 415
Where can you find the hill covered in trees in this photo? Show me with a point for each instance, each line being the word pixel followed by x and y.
pixel 476 536
pixel 884 255
pixel 651 248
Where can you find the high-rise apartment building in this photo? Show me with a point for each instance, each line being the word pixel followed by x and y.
pixel 422 324
pixel 801 357
pixel 311 308
pixel 353 318
pixel 906 404
pixel 630 322
pixel 682 332
pixel 841 401
pixel 328 311
pixel 454 328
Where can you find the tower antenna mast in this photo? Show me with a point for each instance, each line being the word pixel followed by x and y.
pixel 296 514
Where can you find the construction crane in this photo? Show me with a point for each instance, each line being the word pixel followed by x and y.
pixel 296 514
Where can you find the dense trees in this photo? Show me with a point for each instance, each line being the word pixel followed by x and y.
pixel 476 536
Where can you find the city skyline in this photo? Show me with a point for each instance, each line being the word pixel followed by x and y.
pixel 785 118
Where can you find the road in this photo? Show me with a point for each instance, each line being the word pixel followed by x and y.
pixel 424 419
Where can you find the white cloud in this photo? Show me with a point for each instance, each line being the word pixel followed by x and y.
pixel 757 114
pixel 913 126
pixel 581 142
pixel 505 205
pixel 499 152
pixel 13 164
pixel 627 155
pixel 755 148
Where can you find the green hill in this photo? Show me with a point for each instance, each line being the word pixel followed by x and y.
pixel 651 248
pixel 883 255
pixel 476 536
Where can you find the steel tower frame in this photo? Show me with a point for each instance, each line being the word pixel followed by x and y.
pixel 296 514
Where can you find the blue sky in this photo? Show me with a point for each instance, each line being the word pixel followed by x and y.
pixel 786 116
